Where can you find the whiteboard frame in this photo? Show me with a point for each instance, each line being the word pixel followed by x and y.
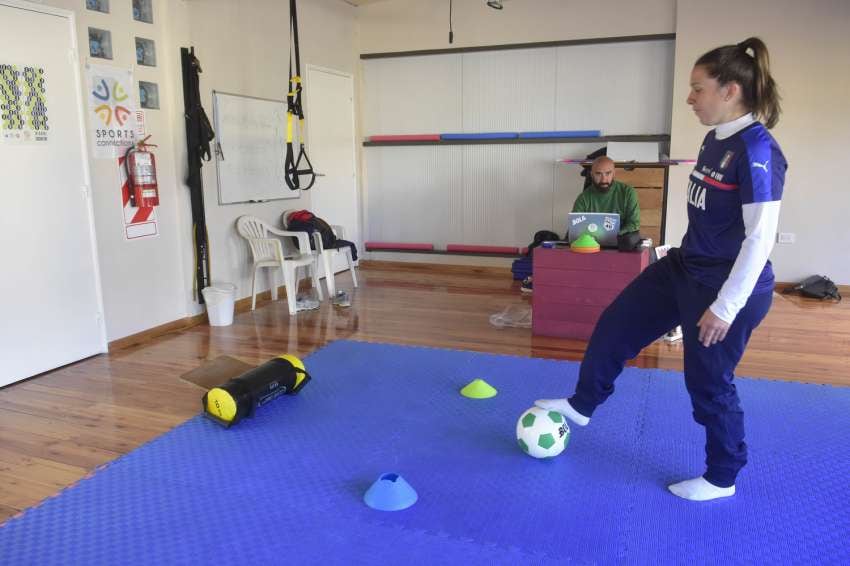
pixel 217 150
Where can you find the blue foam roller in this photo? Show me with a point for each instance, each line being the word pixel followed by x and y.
pixel 481 136
pixel 562 134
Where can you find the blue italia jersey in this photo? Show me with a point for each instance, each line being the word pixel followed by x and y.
pixel 733 197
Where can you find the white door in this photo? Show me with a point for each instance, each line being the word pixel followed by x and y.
pixel 49 285
pixel 330 145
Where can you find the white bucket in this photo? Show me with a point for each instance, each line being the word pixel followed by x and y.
pixel 220 299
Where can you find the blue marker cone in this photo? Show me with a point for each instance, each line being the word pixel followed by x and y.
pixel 390 492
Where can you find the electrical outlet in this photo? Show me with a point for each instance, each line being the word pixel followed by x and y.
pixel 786 238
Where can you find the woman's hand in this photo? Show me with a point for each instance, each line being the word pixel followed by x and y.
pixel 712 329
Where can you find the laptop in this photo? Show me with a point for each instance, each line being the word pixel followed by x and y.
pixel 603 226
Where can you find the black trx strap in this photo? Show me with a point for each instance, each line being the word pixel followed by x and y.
pixel 293 108
pixel 199 134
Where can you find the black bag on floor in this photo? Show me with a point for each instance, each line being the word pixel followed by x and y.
pixel 521 268
pixel 540 237
pixel 815 287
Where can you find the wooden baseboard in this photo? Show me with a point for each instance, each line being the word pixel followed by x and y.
pixel 844 290
pixel 433 267
pixel 241 305
pixel 244 304
pixel 156 331
pixel 425 267
pixel 781 286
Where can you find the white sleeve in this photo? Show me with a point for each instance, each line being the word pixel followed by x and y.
pixel 760 222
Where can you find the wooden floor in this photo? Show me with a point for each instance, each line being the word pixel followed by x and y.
pixel 58 427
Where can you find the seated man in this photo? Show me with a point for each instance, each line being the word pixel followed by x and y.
pixel 603 194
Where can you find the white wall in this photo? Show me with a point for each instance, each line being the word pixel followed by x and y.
pixel 810 55
pixel 406 25
pixel 142 279
pixel 810 58
pixel 499 194
pixel 243 47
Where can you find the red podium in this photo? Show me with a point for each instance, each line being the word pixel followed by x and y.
pixel 572 289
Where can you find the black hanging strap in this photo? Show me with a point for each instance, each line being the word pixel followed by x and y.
pixel 294 167
pixel 199 134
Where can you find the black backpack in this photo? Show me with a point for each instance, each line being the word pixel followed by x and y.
pixel 315 224
pixel 815 287
pixel 328 236
pixel 540 237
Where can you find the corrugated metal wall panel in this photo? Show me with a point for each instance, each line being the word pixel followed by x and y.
pixel 499 194
pixel 509 90
pixel 411 192
pixel 412 95
pixel 507 192
pixel 619 88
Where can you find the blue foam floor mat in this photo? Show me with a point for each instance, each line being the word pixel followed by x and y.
pixel 286 486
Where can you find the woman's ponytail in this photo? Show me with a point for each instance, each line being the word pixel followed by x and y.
pixel 765 95
pixel 747 64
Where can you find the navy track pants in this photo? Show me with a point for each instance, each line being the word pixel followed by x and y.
pixel 659 299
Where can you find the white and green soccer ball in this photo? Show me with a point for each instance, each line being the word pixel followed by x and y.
pixel 541 433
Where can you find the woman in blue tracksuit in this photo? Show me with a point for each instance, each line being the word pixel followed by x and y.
pixel 718 285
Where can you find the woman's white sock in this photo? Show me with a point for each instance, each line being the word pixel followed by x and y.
pixel 700 489
pixel 563 406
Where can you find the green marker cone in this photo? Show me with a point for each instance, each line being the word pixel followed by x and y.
pixel 478 389
pixel 585 243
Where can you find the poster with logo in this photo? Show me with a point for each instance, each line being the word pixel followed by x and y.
pixel 23 104
pixel 112 111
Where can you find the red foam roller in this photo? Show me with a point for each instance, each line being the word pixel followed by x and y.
pixel 398 246
pixel 482 249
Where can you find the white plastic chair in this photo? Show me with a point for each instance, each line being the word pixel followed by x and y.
pixel 328 255
pixel 267 251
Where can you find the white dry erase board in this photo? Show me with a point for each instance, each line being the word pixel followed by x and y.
pixel 250 148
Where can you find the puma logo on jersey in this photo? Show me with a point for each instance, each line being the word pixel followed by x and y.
pixel 696 195
pixel 761 165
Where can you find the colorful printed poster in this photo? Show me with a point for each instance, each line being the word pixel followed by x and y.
pixel 112 111
pixel 23 104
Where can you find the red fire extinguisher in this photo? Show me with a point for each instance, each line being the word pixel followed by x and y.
pixel 140 165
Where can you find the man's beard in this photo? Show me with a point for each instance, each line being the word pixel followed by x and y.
pixel 603 187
